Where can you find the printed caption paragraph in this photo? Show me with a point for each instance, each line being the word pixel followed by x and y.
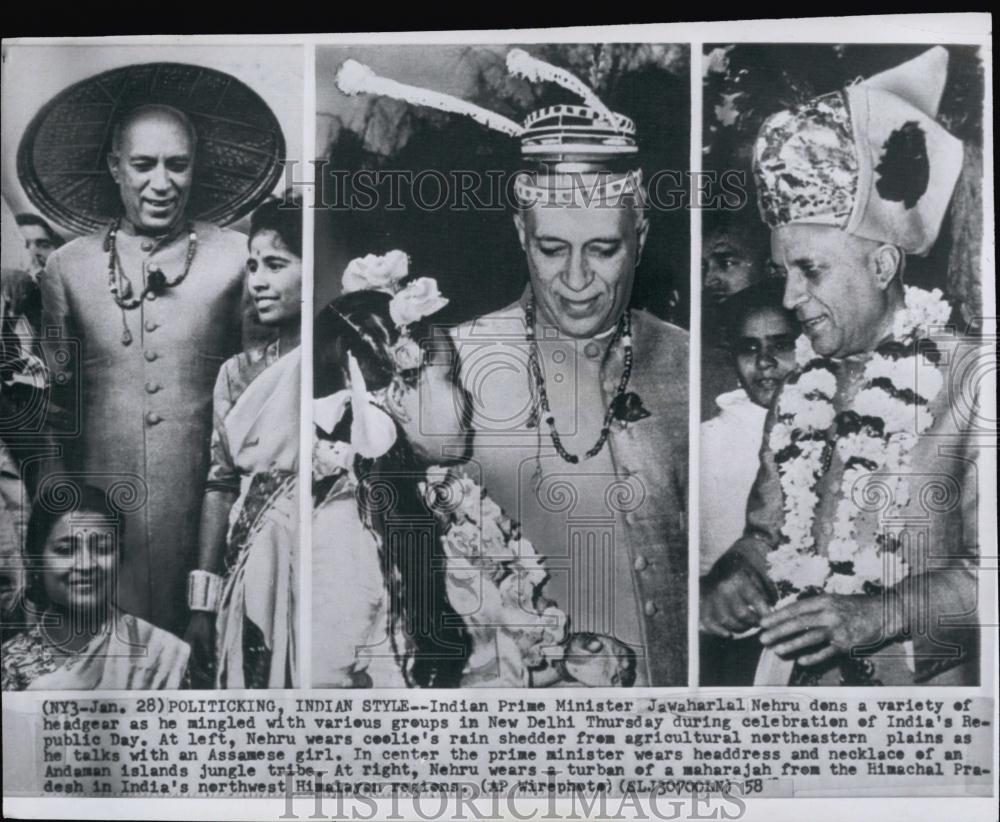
pixel 201 746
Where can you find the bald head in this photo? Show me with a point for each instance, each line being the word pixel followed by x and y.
pixel 152 112
pixel 152 161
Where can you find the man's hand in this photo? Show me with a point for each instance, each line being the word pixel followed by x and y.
pixel 815 629
pixel 200 636
pixel 734 597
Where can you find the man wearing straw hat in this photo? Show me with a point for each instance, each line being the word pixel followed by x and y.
pixel 580 406
pixel 858 562
pixel 154 301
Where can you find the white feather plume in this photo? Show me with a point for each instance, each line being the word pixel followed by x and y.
pixel 356 78
pixel 522 64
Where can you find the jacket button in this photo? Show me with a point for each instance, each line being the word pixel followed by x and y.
pixel 147 245
pixel 151 326
pixel 150 295
pixel 592 349
pixel 640 564
pixel 150 355
pixel 650 608
pixel 153 387
pixel 153 418
pixel 630 518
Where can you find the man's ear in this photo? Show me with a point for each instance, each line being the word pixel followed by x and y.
pixel 888 262
pixel 113 165
pixel 519 226
pixel 394 395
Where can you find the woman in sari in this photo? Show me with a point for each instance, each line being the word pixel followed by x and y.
pixel 418 578
pixel 242 594
pixel 80 640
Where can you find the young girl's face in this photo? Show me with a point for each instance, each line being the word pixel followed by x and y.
pixel 436 410
pixel 274 277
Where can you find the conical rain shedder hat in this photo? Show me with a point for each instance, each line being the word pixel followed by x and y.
pixel 61 160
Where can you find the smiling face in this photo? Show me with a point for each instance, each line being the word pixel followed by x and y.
pixel 764 349
pixel 274 277
pixel 152 166
pixel 80 558
pixel 581 261
pixel 838 285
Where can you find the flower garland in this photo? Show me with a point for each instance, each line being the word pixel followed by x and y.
pixel 494 579
pixel 878 431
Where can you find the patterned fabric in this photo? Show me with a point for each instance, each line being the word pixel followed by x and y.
pixel 128 654
pixel 25 658
pixel 234 377
pixel 806 165
pixel 872 159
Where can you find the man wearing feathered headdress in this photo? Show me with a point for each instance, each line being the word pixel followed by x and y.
pixel 580 406
pixel 858 560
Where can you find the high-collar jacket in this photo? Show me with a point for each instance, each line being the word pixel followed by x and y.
pixel 139 416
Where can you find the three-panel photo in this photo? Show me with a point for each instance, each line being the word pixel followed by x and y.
pixel 462 407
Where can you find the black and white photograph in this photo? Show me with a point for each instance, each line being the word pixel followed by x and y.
pixel 152 296
pixel 842 315
pixel 490 275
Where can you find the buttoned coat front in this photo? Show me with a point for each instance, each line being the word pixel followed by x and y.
pixel 140 414
pixel 613 528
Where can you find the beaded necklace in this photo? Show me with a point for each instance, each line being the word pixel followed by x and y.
pixel 157 283
pixel 625 406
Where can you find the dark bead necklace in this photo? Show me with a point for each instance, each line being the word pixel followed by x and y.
pixel 157 284
pixel 625 407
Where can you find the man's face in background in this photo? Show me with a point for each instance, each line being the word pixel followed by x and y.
pixel 39 245
pixel 731 261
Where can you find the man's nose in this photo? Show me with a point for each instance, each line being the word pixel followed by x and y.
pixel 577 275
pixel 795 293
pixel 159 179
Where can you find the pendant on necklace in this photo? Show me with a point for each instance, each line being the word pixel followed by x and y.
pixel 126 337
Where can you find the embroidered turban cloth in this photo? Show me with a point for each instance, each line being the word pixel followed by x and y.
pixel 870 159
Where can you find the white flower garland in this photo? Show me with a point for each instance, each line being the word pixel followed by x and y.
pixel 494 578
pixel 889 413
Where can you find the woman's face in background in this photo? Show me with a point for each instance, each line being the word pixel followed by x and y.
pixel 80 559
pixel 437 409
pixel 765 352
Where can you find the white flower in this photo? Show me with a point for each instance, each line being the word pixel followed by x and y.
pixel 781 436
pixel 842 550
pixel 379 273
pixel 330 458
pixel 810 572
pixel 804 352
pixel 407 354
pixel 868 565
pixel 419 299
pixel 845 584
pixel 818 380
pixel 924 311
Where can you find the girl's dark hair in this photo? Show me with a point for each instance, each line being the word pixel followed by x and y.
pixel 284 218
pixel 388 495
pixel 765 295
pixel 54 502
